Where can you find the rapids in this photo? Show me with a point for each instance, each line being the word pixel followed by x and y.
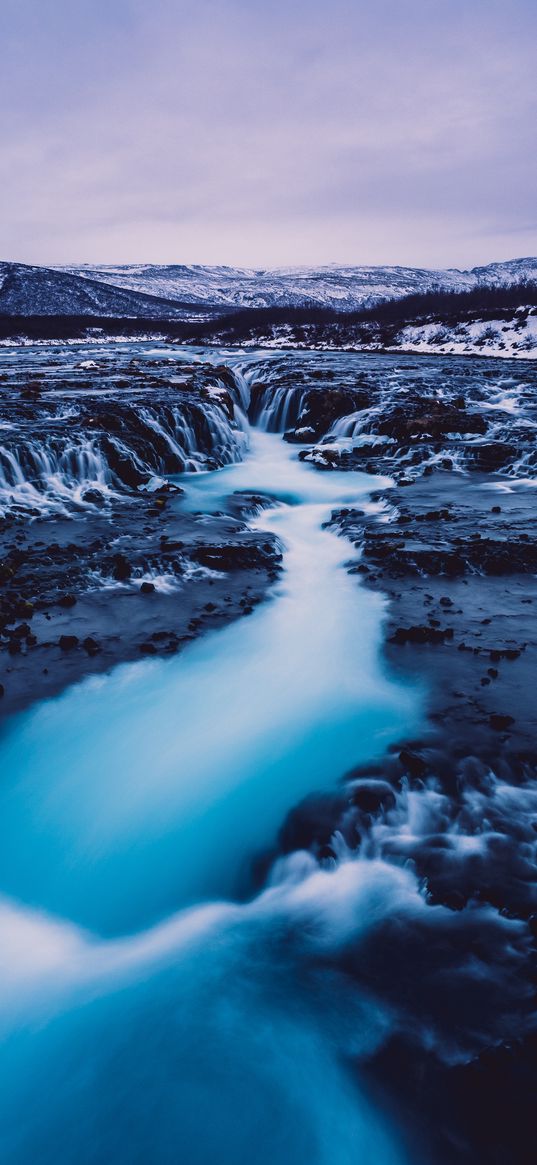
pixel 162 999
pixel 143 1018
pixel 151 788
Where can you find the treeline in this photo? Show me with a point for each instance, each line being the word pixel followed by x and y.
pixel 238 325
pixel 70 327
pixel 440 302
pixel 394 313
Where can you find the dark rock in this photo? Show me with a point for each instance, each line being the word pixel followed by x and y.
pixel 91 645
pixel 147 588
pixel 453 899
pixel 429 418
pixel 312 822
pixel 372 796
pixel 122 569
pixel 94 497
pixel 31 391
pixel 232 556
pixel 68 642
pixel 499 721
pixel 21 631
pixel 421 634
pixel 413 763
pixel 492 456
pixel 67 601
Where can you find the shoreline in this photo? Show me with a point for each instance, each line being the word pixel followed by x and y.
pixel 56 641
pixel 130 572
pixel 263 346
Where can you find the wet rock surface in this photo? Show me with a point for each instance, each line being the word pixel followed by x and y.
pixel 462 583
pixel 458 806
pixel 136 585
pixel 414 417
pixel 462 616
pixel 455 551
pixel 452 543
pixel 100 570
pixel 76 434
pixel 99 563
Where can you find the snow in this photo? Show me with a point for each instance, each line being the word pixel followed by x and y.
pixel 512 338
pixel 342 287
pixel 172 291
pixel 503 338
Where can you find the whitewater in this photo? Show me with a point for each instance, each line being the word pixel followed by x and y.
pixel 178 979
pixel 145 992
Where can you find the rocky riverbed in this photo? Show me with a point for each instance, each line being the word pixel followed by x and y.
pixel 103 561
pixel 454 547
pixel 99 562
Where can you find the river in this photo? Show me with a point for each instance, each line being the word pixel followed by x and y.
pixel 150 1013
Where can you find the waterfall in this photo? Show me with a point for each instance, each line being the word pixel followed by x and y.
pixel 241 390
pixel 276 409
pixel 346 427
pixel 54 472
pixel 50 475
pixel 133 1026
pixel 147 989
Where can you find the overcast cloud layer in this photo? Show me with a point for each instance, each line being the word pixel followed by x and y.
pixel 264 134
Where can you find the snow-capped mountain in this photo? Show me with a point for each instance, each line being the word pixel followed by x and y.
pixel 340 288
pixel 42 291
pixel 176 291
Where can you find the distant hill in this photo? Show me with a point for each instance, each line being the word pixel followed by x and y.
pixel 177 292
pixel 339 288
pixel 46 291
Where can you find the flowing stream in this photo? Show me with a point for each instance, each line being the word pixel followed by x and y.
pixel 148 1015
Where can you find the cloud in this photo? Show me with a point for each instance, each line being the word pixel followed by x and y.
pixel 268 133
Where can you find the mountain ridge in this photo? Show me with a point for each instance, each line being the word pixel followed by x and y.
pixel 182 291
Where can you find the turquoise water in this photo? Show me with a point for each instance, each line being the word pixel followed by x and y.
pixel 147 1017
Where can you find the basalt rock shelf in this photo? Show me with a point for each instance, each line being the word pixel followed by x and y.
pixel 273 899
pixel 99 561
pixel 453 545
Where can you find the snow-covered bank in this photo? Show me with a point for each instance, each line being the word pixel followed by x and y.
pixel 513 338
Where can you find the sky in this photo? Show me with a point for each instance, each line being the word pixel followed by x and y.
pixel 268 134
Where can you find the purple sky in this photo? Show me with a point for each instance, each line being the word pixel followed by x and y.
pixel 264 134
